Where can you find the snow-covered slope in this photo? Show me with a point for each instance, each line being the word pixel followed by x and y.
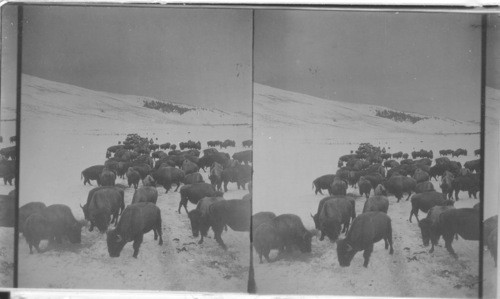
pixel 303 110
pixel 72 102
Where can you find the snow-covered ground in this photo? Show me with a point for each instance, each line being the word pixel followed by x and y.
pixel 298 138
pixel 65 129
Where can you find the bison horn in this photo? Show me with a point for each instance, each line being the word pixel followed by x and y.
pixel 118 238
pixel 349 247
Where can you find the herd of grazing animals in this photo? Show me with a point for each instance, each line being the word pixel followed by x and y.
pixel 376 174
pixel 140 160
pixel 371 170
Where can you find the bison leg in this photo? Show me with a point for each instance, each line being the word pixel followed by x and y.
pixel 225 185
pixel 178 184
pixel 322 236
pixel 448 239
pixel 137 244
pixel 409 194
pixel 414 212
pixel 217 235
pixel 456 194
pixel 366 254
pixel 181 203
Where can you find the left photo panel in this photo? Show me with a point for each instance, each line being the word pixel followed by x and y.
pixel 135 148
pixel 8 144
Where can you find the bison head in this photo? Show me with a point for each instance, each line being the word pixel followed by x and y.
pixel 195 218
pixel 305 242
pixel 74 233
pixel 331 228
pixel 425 229
pixel 345 253
pixel 380 190
pixel 115 243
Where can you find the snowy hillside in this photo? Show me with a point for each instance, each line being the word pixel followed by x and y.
pixel 303 110
pixel 77 103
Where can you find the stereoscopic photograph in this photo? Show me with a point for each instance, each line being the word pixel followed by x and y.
pixel 276 151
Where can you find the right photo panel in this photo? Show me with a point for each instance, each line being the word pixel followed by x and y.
pixel 367 154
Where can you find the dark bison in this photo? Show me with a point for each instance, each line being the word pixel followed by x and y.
pixel 143 169
pixel 376 203
pixel 398 185
pixel 474 165
pixel 464 222
pixel 107 177
pixel 62 223
pixel 116 189
pixel 149 181
pixel 37 228
pixel 92 173
pixel 338 187
pixel 265 238
pixel 335 212
pixel 323 182
pixel 166 176
pixel 365 187
pixel 194 193
pixel 240 174
pixel 447 184
pixel 189 167
pixel 262 217
pixel 420 176
pixel 235 213
pixel 133 177
pixel 193 178
pixel 199 217
pixel 292 232
pixel 244 156
pixel 490 230
pixel 216 175
pixel 367 229
pixel 426 200
pixel 7 171
pixel 424 187
pixel 105 202
pixel 247 143
pixel 27 210
pixel 469 183
pixel 136 220
pixel 7 211
pixel 429 227
pixel 145 194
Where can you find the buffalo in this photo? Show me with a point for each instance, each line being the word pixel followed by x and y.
pixel 189 167
pixel 235 213
pixel 262 217
pixel 338 187
pixel 240 175
pixel 136 220
pixel 335 212
pixel 364 186
pixel 7 211
pixel 323 182
pixel 105 202
pixel 166 176
pixel 92 173
pixel 63 223
pixel 292 232
pixel 367 229
pixel 193 178
pixel 490 231
pixel 145 194
pixel 7 171
pixel 27 210
pixel 424 187
pixel 133 177
pixel 266 237
pixel 37 228
pixel 398 185
pixel 247 143
pixel 216 175
pixel 377 203
pixel 199 217
pixel 469 183
pixel 194 193
pixel 429 227
pixel 107 177
pixel 244 156
pixel 426 200
pixel 464 222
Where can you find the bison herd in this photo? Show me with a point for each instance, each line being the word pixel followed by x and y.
pixel 139 160
pixel 376 174
pixel 373 172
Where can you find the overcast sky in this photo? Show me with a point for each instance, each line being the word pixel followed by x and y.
pixel 201 57
pixel 420 62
